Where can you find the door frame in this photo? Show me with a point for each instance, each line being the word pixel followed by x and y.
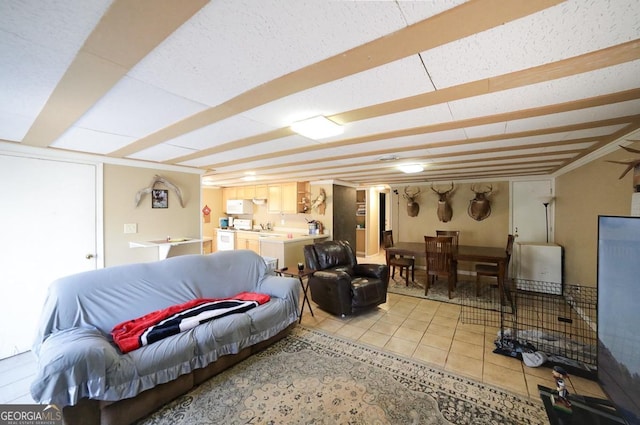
pixel 551 207
pixel 11 149
pixel 514 263
pixel 92 172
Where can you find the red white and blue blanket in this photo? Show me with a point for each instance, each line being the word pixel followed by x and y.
pixel 160 324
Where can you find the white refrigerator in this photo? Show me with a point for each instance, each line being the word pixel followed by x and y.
pixel 539 267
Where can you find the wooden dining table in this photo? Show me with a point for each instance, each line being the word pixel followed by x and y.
pixel 476 254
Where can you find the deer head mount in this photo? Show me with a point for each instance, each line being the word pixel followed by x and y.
pixel 413 208
pixel 444 206
pixel 480 206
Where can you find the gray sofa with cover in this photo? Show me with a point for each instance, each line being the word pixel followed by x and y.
pixel 82 370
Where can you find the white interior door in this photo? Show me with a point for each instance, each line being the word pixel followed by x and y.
pixel 48 225
pixel 528 219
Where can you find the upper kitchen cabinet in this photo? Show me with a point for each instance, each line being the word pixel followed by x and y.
pixel 228 193
pixel 246 192
pixel 262 191
pixel 288 198
pixel 283 198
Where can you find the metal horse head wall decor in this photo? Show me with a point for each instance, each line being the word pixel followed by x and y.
pixel 158 180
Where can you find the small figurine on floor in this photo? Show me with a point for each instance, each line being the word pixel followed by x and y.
pixel 561 402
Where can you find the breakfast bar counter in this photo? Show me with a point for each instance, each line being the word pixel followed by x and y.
pixel 165 245
pixel 288 250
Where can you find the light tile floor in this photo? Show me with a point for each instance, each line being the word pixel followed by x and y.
pixel 432 332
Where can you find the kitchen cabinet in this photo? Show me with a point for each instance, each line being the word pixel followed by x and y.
pixel 214 243
pixel 228 193
pixel 289 197
pixel 360 241
pixel 282 198
pixel 207 246
pixel 274 200
pixel 246 192
pixel 262 191
pixel 247 240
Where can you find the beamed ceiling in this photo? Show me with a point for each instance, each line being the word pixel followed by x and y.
pixel 471 90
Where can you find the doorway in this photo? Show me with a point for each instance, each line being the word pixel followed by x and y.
pixel 531 220
pixel 49 215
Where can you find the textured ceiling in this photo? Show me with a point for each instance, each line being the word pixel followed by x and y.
pixel 477 90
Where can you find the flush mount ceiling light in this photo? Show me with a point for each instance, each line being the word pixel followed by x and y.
pixel 209 183
pixel 388 158
pixel 317 128
pixel 249 176
pixel 411 168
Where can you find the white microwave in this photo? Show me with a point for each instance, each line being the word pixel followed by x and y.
pixel 239 206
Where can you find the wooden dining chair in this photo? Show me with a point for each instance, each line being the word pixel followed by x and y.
pixel 403 263
pixel 491 270
pixel 439 254
pixel 455 234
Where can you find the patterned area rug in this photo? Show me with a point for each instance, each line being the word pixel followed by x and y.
pixel 311 377
pixel 464 293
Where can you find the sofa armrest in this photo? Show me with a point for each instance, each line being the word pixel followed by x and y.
pixel 378 271
pixel 73 364
pixel 280 287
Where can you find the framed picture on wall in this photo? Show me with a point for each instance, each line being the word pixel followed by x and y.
pixel 159 198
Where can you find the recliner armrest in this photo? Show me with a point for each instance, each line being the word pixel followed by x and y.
pixel 332 275
pixel 379 271
pixel 331 290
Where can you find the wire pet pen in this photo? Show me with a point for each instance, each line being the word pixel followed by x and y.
pixel 560 321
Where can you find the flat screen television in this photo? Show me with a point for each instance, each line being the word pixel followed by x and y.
pixel 619 313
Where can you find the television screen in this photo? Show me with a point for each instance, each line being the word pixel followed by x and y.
pixel 619 313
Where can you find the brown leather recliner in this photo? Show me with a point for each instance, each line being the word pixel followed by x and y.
pixel 339 284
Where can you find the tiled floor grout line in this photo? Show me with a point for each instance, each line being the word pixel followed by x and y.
pixel 490 368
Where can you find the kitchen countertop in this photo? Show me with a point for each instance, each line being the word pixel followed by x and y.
pixel 172 241
pixel 282 238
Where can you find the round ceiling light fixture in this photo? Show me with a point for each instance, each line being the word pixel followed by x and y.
pixel 411 168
